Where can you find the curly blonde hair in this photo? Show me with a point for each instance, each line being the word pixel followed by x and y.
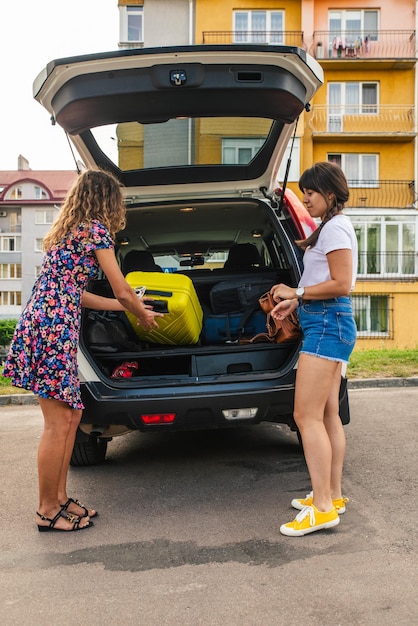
pixel 95 195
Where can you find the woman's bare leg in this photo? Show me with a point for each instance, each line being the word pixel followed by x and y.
pixel 336 435
pixel 314 390
pixel 53 458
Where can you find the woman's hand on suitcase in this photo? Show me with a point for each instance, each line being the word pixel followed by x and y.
pixel 147 317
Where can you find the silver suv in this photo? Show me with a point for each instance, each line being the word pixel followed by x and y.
pixel 196 136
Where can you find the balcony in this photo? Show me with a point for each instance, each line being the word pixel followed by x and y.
pixel 130 45
pixel 399 265
pixel 275 37
pixel 381 194
pixel 370 121
pixel 352 45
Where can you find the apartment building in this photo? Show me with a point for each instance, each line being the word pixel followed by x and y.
pixel 364 118
pixel 29 202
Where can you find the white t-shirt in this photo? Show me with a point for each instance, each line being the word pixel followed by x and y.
pixel 337 234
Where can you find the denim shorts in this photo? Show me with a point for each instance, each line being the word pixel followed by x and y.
pixel 329 329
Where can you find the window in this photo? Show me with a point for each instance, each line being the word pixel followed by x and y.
pixel 10 270
pixel 354 24
pixel 38 269
pixel 16 193
pixel 386 246
pixel 350 99
pixel 132 23
pixel 10 298
pixel 9 244
pixel 294 171
pixel 240 151
pixel 38 244
pixel 45 216
pixel 372 315
pixel 258 27
pixel 40 194
pixel 358 168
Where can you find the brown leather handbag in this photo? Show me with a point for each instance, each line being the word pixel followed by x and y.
pixel 278 331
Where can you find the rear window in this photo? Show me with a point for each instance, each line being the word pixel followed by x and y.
pixel 183 142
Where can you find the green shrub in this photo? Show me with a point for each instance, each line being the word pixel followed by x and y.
pixel 7 328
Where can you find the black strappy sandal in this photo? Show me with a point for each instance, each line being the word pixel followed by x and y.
pixel 65 506
pixel 73 519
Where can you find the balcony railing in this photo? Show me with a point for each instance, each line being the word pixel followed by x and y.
pixel 381 194
pixel 276 37
pixel 358 44
pixel 397 265
pixel 364 119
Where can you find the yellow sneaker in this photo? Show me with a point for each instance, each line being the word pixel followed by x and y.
pixel 309 520
pixel 300 503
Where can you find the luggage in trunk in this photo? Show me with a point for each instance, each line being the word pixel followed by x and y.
pixel 231 327
pixel 175 296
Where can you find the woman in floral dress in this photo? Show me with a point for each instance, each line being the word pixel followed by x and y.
pixel 43 354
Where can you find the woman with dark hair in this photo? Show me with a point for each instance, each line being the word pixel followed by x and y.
pixel 329 334
pixel 43 354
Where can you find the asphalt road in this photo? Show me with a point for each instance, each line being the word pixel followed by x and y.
pixel 188 532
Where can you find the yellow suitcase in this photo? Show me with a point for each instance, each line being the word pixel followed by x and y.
pixel 175 296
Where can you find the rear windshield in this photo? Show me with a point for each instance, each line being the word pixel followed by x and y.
pixel 182 142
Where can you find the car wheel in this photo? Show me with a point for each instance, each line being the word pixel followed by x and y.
pixel 88 450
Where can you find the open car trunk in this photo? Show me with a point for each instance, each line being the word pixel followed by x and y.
pixel 223 312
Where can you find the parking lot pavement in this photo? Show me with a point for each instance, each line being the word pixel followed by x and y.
pixel 188 532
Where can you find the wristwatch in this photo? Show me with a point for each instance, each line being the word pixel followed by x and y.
pixel 299 292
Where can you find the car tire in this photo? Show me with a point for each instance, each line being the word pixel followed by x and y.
pixel 88 450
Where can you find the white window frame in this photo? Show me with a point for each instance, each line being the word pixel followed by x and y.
pixel 10 298
pixel 337 111
pixel 125 13
pixel 294 171
pixel 235 144
pixel 389 263
pixel 254 144
pixel 44 216
pixel 343 161
pixel 39 193
pixel 250 17
pixel 16 193
pixel 343 16
pixel 6 240
pixel 362 307
pixel 39 244
pixel 10 271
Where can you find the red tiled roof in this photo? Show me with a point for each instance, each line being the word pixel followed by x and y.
pixel 57 181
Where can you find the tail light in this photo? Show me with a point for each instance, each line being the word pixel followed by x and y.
pixel 158 418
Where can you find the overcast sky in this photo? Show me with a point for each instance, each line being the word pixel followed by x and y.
pixel 34 32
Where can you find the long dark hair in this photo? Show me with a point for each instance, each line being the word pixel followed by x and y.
pixel 325 178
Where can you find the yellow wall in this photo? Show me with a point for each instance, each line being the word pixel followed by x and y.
pixel 403 306
pixel 214 15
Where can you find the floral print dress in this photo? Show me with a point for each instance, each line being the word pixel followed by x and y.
pixel 43 354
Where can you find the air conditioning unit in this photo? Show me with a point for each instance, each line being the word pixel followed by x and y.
pixel 3 213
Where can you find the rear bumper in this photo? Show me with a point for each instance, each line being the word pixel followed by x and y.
pixel 194 409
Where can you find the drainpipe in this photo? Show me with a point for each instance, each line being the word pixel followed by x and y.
pixel 416 110
pixel 191 2
pixel 189 122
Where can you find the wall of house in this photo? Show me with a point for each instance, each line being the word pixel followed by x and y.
pixel 215 15
pixel 166 23
pixel 395 14
pixel 403 306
